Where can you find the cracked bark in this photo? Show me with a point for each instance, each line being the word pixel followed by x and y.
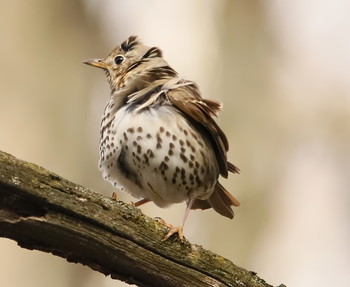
pixel 43 211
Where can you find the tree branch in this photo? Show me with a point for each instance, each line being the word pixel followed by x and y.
pixel 43 211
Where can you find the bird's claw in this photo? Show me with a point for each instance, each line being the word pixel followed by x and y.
pixel 173 230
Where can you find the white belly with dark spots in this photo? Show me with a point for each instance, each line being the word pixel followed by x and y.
pixel 155 154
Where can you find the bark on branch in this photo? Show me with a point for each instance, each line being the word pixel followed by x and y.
pixel 43 211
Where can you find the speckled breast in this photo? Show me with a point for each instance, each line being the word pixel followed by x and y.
pixel 156 154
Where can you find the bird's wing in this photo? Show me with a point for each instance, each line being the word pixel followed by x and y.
pixel 187 100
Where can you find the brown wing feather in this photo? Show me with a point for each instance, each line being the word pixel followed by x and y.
pixel 188 100
pixel 232 168
pixel 214 106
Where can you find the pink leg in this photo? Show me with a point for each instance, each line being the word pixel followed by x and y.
pixel 179 229
pixel 140 202
pixel 188 208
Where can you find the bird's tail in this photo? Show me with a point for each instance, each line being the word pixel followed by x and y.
pixel 221 200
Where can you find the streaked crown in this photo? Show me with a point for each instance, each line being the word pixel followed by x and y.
pixel 132 61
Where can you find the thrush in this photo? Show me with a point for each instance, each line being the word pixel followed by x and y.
pixel 158 139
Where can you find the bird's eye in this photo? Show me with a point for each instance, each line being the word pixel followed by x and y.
pixel 118 59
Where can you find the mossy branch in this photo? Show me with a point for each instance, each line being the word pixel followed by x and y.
pixel 43 211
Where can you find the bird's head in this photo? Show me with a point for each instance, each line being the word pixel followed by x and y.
pixel 129 64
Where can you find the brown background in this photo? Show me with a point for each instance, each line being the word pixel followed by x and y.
pixel 280 67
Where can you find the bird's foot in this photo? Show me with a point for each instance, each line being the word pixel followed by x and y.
pixel 114 196
pixel 173 230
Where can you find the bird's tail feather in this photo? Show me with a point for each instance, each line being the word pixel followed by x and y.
pixel 221 200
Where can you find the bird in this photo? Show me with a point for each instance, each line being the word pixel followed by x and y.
pixel 159 140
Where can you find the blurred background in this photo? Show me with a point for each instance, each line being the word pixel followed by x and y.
pixel 282 69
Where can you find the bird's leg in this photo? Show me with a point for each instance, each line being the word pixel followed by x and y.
pixel 179 229
pixel 140 202
pixel 136 204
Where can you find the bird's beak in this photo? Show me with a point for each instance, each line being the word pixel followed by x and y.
pixel 98 63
